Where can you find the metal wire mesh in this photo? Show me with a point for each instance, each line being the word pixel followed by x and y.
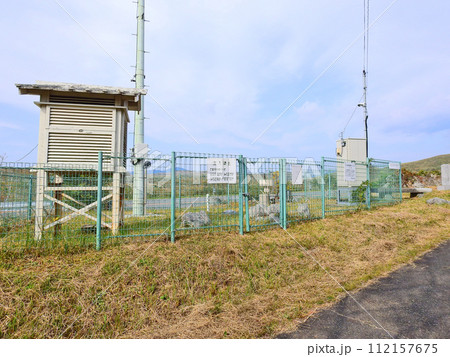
pixel 345 185
pixel 304 190
pixel 385 183
pixel 45 206
pixel 262 204
pixel 154 219
pixel 48 206
pixel 200 204
pixel 17 188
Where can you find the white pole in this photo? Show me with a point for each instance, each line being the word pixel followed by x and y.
pixel 138 178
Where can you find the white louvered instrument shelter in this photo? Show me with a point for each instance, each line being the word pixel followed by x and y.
pixel 76 123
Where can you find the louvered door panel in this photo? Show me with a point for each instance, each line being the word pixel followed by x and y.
pixel 78 116
pixel 77 147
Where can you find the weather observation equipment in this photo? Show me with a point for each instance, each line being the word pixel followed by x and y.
pixel 78 121
pixel 351 149
pixel 351 166
pixel 353 153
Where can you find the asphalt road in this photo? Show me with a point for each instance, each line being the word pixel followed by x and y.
pixel 412 302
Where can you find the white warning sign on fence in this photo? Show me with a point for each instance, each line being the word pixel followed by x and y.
pixel 221 170
pixel 297 175
pixel 394 165
pixel 350 171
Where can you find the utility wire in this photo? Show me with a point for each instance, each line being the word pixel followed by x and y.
pixel 316 261
pixel 323 73
pixel 116 279
pixel 123 68
pixel 351 116
pixel 365 61
pixel 28 153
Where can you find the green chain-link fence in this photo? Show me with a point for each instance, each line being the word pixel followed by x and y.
pixel 48 206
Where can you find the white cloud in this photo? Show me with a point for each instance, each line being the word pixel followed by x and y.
pixel 225 69
pixel 10 126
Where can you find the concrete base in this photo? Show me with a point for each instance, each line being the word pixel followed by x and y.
pixel 444 188
pixel 416 192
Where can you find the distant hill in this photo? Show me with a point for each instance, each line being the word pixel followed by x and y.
pixel 431 164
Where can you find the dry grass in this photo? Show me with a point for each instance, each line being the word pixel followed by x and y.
pixel 211 286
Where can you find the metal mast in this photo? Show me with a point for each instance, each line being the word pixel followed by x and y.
pixel 138 178
pixel 365 69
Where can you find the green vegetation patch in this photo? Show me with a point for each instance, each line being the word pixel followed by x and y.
pixel 432 164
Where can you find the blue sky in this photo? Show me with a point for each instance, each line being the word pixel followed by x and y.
pixel 226 70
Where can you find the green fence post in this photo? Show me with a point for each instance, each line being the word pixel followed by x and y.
pixel 322 174
pixel 285 193
pixel 98 240
pixel 179 191
pixel 247 218
pixel 283 203
pixel 173 197
pixel 30 197
pixel 241 204
pixel 368 183
pixel 400 181
pixel 280 191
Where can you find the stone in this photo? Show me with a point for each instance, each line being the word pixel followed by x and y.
pixel 216 201
pixel 195 219
pixel 257 210
pixel 437 201
pixel 445 175
pixel 260 210
pixel 303 210
pixel 445 178
pixel 230 212
pixel 274 209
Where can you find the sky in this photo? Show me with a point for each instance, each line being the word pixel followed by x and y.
pixel 219 73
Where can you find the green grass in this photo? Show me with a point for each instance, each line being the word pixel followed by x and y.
pixel 18 233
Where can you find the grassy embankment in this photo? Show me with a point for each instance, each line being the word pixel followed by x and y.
pixel 216 285
pixel 430 164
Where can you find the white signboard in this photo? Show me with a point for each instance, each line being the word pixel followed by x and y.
pixel 221 170
pixel 349 171
pixel 297 175
pixel 394 166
